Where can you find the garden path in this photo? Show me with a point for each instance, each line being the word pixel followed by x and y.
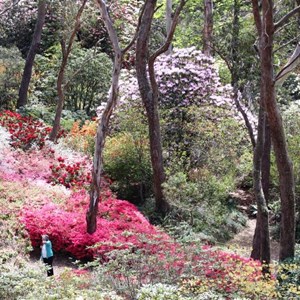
pixel 61 263
pixel 243 241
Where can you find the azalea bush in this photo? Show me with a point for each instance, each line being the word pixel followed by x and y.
pixel 82 136
pixel 70 175
pixel 186 272
pixel 119 224
pixel 25 132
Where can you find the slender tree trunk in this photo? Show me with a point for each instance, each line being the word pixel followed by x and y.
pixel 149 94
pixel 102 129
pixel 91 215
pixel 266 162
pixel 36 39
pixel 169 21
pixel 208 27
pixel 261 241
pixel 150 101
pixel 66 50
pixel 266 28
pixel 60 93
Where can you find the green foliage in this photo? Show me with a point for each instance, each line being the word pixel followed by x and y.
pixel 21 281
pixel 127 163
pixel 87 79
pixel 89 74
pixel 11 68
pixel 190 24
pixel 288 277
pixel 204 206
pixel 159 291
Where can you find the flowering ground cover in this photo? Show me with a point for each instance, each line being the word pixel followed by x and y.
pixel 35 200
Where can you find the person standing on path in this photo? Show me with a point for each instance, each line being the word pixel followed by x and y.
pixel 47 254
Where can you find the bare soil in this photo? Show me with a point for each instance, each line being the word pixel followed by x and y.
pixel 243 241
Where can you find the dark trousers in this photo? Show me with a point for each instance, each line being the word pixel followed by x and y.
pixel 48 262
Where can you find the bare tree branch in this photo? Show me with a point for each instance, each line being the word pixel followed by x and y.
pixel 227 62
pixel 287 43
pixel 8 8
pixel 136 32
pixel 284 19
pixel 168 41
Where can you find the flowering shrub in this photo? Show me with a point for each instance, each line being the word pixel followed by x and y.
pixel 231 275
pixel 189 77
pixel 119 225
pixel 25 132
pixel 82 138
pixel 70 175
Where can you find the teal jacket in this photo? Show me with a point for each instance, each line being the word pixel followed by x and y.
pixel 48 249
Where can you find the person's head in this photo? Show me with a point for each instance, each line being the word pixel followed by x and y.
pixel 45 237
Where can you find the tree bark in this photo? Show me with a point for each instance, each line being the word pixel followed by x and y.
pixel 149 94
pixel 150 102
pixel 36 39
pixel 266 28
pixel 169 21
pixel 66 50
pixel 208 27
pixel 261 241
pixel 102 129
pixel 266 162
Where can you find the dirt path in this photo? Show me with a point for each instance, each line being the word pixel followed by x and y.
pixel 60 263
pixel 243 241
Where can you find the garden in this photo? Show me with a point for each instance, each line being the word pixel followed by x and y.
pixel 138 137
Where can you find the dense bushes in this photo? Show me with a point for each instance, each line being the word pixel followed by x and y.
pixel 25 132
pixel 119 226
pixel 87 79
pixel 11 65
pixel 127 163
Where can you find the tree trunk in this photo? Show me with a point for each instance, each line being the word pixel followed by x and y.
pixel 261 240
pixel 266 162
pixel 91 215
pixel 60 94
pixel 36 39
pixel 266 28
pixel 66 50
pixel 150 101
pixel 169 21
pixel 265 182
pixel 149 94
pixel 208 27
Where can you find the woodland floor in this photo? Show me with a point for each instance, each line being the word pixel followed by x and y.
pixel 243 240
pixel 241 243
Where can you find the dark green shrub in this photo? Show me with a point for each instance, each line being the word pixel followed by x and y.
pixel 127 163
pixel 11 68
pixel 87 79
